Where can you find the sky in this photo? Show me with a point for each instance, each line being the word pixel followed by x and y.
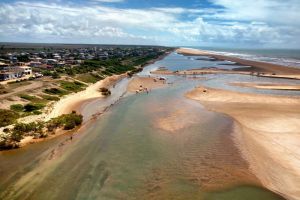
pixel 213 23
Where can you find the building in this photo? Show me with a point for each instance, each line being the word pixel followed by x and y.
pixel 35 64
pixel 4 76
pixel 25 70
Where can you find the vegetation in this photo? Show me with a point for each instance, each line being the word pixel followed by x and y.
pixel 38 129
pixel 50 98
pixel 68 121
pixel 56 91
pixel 72 86
pixel 8 117
pixel 17 107
pixel 27 97
pixel 92 71
pixel 55 75
pixel 31 107
pixel 33 99
pixel 89 77
pixel 21 129
pixel 23 58
pixel 104 91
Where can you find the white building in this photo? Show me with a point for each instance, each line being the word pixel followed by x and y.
pixel 25 70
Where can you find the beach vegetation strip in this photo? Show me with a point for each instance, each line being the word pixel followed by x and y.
pixel 11 137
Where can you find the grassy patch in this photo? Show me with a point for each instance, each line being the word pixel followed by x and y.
pixel 8 117
pixel 17 107
pixel 33 99
pixel 89 77
pixel 50 98
pixel 27 97
pixel 31 107
pixel 72 86
pixel 68 121
pixel 56 91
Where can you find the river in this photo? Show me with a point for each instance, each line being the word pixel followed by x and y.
pixel 146 146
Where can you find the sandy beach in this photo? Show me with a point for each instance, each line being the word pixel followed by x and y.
pixel 268 86
pixel 256 66
pixel 73 101
pixel 269 136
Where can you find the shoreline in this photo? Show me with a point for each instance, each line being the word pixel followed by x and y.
pixel 256 66
pixel 74 101
pixel 269 136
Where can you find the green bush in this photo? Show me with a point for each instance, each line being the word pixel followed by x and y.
pixel 55 91
pixel 72 86
pixel 27 97
pixel 50 98
pixel 8 117
pixel 67 121
pixel 21 129
pixel 47 73
pixel 33 107
pixel 16 136
pixel 30 127
pixel 36 112
pixel 55 75
pixel 17 107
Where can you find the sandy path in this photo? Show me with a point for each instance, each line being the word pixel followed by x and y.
pixel 270 136
pixel 33 86
pixel 256 65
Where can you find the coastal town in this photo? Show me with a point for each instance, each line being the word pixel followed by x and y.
pixel 25 63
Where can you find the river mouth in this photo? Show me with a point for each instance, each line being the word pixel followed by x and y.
pixel 147 146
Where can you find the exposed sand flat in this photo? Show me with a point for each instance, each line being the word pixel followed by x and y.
pixel 286 76
pixel 268 86
pixel 270 134
pixel 256 65
pixel 146 82
pixel 223 71
pixel 198 72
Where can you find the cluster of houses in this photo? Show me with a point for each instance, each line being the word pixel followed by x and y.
pixel 9 72
pixel 20 64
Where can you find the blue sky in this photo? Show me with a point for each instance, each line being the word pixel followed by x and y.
pixel 222 23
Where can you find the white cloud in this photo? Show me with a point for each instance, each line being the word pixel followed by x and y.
pixel 245 23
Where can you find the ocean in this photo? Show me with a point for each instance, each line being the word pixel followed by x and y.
pixel 286 57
